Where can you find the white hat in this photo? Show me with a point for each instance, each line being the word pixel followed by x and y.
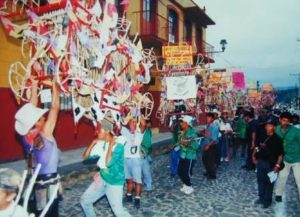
pixel 188 119
pixel 216 111
pixel 26 117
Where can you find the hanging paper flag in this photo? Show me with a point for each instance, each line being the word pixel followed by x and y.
pixel 78 110
pixel 96 9
pixel 238 79
pixel 97 113
pixel 110 18
pixel 111 9
pixel 139 45
pixel 125 4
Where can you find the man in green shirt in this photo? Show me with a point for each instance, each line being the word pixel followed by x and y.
pixel 111 178
pixel 291 145
pixel 240 129
pixel 146 148
pixel 188 149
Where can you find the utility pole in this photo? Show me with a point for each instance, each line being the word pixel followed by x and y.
pixel 298 97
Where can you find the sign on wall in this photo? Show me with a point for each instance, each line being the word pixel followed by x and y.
pixel 178 55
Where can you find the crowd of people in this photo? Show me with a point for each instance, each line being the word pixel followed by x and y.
pixel 269 144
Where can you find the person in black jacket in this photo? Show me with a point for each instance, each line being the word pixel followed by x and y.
pixel 267 156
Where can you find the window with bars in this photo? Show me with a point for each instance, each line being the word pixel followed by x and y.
pixel 173 26
pixel 187 31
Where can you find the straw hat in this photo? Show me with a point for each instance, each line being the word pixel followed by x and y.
pixel 26 117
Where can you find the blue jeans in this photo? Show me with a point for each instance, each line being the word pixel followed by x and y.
pixel 226 145
pixel 265 187
pixel 174 161
pixel 146 171
pixel 95 191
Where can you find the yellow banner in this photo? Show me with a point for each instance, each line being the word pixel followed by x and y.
pixel 178 55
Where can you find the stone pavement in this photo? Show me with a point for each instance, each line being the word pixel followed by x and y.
pixel 231 195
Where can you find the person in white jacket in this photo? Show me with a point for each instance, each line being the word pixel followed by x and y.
pixel 226 138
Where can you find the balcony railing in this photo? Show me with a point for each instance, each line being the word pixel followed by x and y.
pixel 200 46
pixel 149 23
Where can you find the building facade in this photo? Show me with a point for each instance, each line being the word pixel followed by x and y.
pixel 169 22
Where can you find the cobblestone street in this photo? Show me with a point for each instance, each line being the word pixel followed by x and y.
pixel 231 195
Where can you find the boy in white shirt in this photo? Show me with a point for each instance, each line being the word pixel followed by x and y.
pixel 226 138
pixel 133 159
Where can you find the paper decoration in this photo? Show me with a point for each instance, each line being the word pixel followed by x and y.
pixel 183 87
pixel 238 79
pixel 87 49
pixel 96 9
pixel 46 96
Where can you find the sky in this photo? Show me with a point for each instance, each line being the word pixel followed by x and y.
pixel 261 36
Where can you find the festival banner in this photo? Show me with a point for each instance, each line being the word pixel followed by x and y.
pixel 178 55
pixel 238 79
pixel 183 87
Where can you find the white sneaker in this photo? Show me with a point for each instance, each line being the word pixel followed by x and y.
pixel 189 190
pixel 222 159
pixel 183 188
pixel 226 159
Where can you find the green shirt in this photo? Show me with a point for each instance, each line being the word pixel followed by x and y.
pixel 240 128
pixel 291 143
pixel 114 173
pixel 147 142
pixel 189 152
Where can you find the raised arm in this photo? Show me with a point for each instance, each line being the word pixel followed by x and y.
pixel 34 90
pixel 142 125
pixel 53 113
pixel 88 150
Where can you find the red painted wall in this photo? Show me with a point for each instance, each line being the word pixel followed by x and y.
pixel 11 148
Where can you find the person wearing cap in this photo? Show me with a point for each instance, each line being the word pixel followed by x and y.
pixel 110 179
pixel 10 181
pixel 268 157
pixel 209 144
pixel 291 145
pixel 37 133
pixel 188 152
pixel 133 159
